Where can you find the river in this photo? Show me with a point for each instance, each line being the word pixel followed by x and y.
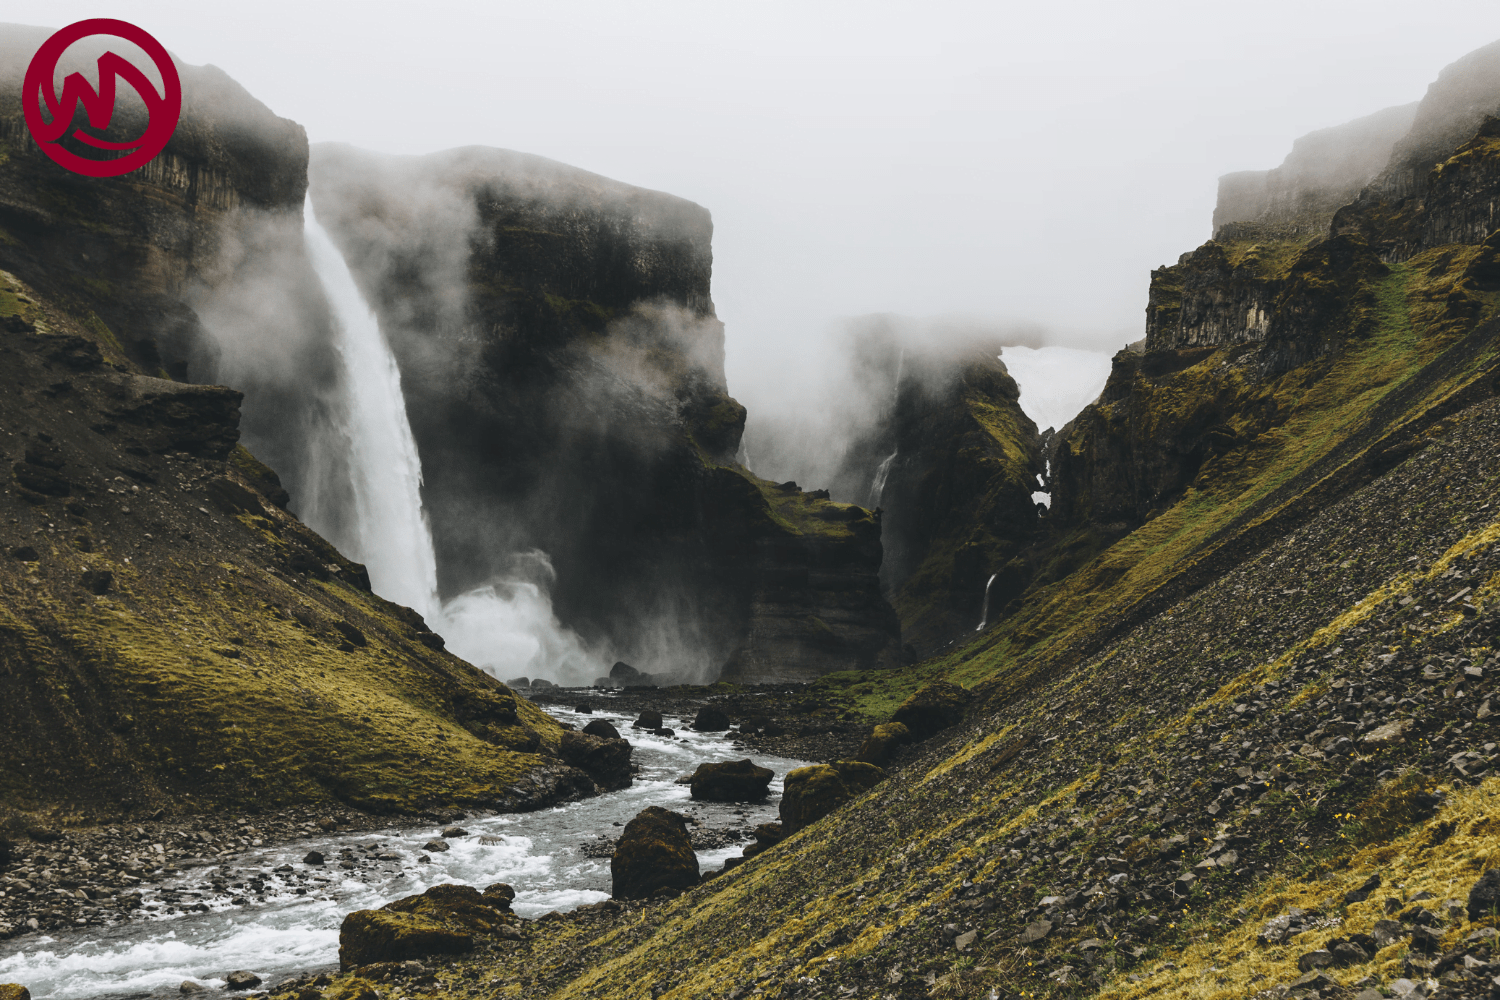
pixel 276 932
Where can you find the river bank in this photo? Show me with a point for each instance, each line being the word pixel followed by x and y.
pixel 263 907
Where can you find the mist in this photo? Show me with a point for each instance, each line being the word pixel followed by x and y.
pixel 826 424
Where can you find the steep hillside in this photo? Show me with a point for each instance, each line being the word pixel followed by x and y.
pixel 172 638
pixel 1293 760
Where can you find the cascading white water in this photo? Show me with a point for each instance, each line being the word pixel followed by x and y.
pixel 883 470
pixel 984 612
pixel 882 473
pixel 506 627
pixel 393 537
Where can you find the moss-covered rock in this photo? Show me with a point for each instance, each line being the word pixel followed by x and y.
pixel 14 991
pixel 932 709
pixel 883 741
pixel 731 781
pixel 654 853
pixel 369 936
pixel 445 919
pixel 810 793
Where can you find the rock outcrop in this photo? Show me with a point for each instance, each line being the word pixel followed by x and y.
pixel 884 740
pixel 1325 171
pixel 654 856
pixel 810 793
pixel 931 709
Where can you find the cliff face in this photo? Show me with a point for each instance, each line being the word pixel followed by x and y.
pixel 1324 171
pixel 194 264
pixel 957 496
pixel 563 372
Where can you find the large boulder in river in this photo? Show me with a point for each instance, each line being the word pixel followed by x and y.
pixel 711 719
pixel 731 781
pixel 603 729
pixel 810 793
pixel 649 720
pixel 14 991
pixel 883 742
pixel 654 853
pixel 607 761
pixel 444 920
pixel 932 709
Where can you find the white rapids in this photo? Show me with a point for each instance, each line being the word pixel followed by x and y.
pixel 540 854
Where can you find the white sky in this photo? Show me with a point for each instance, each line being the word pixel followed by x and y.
pixel 1014 161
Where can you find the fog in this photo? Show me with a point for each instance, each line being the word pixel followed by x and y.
pixel 1020 163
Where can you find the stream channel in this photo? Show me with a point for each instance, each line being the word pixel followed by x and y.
pixel 279 933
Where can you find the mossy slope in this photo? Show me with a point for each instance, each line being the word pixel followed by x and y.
pixel 171 637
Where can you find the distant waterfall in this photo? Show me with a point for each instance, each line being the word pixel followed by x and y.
pixel 394 539
pixel 883 470
pixel 984 612
pixel 882 473
pixel 506 627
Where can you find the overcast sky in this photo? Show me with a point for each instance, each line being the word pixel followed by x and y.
pixel 1016 161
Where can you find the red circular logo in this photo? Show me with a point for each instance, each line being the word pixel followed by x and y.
pixel 38 94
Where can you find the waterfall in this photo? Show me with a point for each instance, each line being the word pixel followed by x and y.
pixel 392 535
pixel 506 627
pixel 882 472
pixel 984 612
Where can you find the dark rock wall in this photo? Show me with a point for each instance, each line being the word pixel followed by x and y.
pixel 958 505
pixel 563 371
pixel 193 264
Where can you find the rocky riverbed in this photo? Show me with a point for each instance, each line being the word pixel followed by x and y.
pixel 140 909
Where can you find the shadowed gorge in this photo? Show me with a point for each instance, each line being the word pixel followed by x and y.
pixel 1196 696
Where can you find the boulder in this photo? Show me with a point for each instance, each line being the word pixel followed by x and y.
pixel 767 835
pixel 519 682
pixel 932 709
pixel 648 720
pixel 731 781
pixel 810 793
pixel 444 920
pixel 653 853
pixel 1484 898
pixel 499 895
pixel 539 684
pixel 603 729
pixel 606 761
pixel 882 742
pixel 314 858
pixel 14 991
pixel 436 845
pixel 584 709
pixel 711 719
pixel 241 980
pixel 187 986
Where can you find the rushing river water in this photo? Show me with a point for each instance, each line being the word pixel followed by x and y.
pixel 540 854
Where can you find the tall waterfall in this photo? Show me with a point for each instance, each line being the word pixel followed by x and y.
pixel 393 537
pixel 984 612
pixel 506 627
